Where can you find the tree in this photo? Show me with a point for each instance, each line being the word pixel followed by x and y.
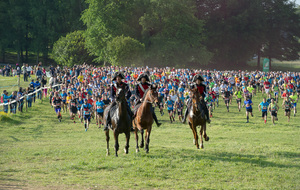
pixel 125 51
pixel 282 30
pixel 234 29
pixel 70 50
pixel 107 19
pixel 172 34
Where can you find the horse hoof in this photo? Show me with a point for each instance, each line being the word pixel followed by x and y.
pixel 207 138
pixel 116 155
pixel 202 146
pixel 141 145
pixel 197 147
pixel 137 150
pixel 147 151
pixel 126 151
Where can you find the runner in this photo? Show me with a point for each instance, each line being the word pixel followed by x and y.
pixel 273 108
pixel 275 89
pixel 64 100
pixel 99 107
pixel 179 108
pixel 208 99
pixel 298 88
pixel 86 113
pixel 226 96
pixel 161 103
pixel 287 105
pixel 216 90
pixel 79 105
pixel 73 108
pixel 294 99
pixel 267 85
pixel 263 106
pixel 57 103
pixel 248 103
pixel 238 94
pixel 170 107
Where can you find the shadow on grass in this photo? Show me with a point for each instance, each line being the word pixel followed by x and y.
pixel 14 138
pixel 8 120
pixel 256 160
pixel 288 154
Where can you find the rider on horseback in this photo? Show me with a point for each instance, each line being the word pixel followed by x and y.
pixel 119 84
pixel 140 90
pixel 202 89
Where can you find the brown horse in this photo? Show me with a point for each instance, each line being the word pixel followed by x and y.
pixel 120 121
pixel 144 120
pixel 196 118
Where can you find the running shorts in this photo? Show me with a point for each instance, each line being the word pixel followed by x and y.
pixel 264 113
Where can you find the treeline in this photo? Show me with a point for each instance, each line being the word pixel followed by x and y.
pixel 34 25
pixel 152 32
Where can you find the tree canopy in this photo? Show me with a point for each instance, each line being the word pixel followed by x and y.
pixel 155 32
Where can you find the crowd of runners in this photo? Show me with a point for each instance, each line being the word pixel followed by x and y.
pixel 84 91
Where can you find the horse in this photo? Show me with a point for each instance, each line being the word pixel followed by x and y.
pixel 120 121
pixel 197 118
pixel 144 119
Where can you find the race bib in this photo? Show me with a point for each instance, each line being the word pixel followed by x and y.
pixel 73 104
pixel 99 107
pixel 264 107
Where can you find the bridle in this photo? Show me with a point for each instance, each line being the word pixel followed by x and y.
pixel 152 98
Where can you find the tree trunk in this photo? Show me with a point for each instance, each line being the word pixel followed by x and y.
pixel 37 57
pixel 270 63
pixel 18 56
pixel 3 55
pixel 22 56
pixel 26 45
pixel 258 60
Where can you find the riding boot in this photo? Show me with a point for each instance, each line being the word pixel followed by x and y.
pixel 107 117
pixel 185 115
pixel 155 118
pixel 188 105
pixel 206 113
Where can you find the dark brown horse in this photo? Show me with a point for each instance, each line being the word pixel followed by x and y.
pixel 120 121
pixel 196 118
pixel 144 120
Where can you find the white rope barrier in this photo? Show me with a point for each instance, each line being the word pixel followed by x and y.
pixel 14 101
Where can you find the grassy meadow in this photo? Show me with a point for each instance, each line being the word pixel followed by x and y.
pixel 38 152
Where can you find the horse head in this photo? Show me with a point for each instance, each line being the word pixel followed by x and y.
pixel 195 96
pixel 152 95
pixel 120 95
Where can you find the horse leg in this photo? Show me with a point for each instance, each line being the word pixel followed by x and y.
pixel 142 139
pixel 127 142
pixel 191 126
pixel 107 142
pixel 116 134
pixel 195 135
pixel 136 139
pixel 206 138
pixel 147 137
pixel 201 137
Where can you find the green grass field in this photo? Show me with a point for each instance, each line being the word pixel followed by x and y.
pixel 38 152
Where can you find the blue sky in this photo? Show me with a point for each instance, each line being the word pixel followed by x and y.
pixel 298 2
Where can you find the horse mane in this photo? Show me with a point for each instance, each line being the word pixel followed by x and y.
pixel 145 93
